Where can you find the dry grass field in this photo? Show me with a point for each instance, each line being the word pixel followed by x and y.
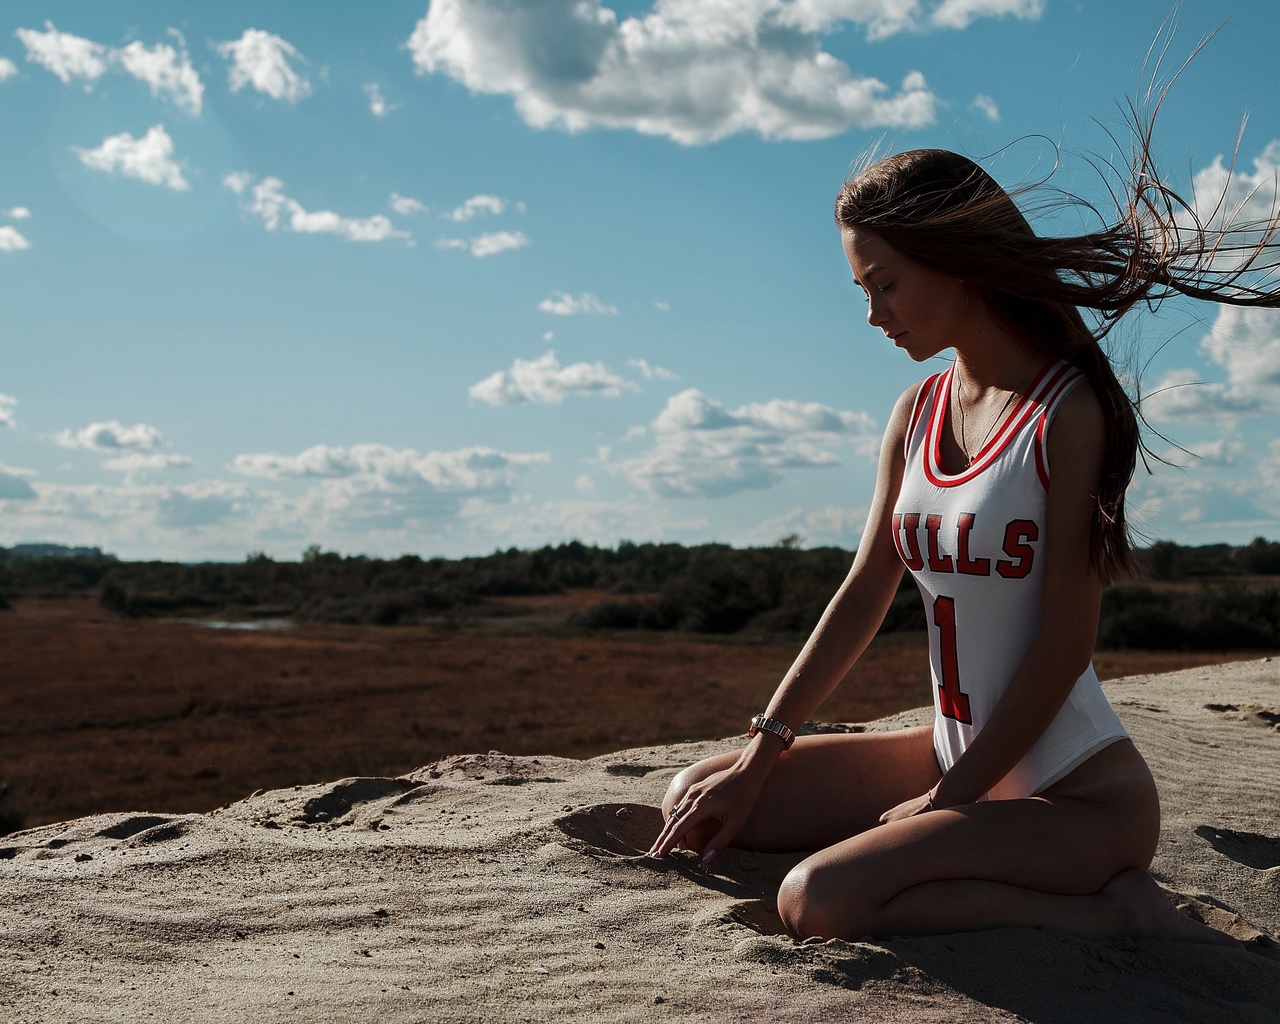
pixel 99 714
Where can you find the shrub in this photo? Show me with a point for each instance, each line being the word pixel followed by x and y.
pixel 629 614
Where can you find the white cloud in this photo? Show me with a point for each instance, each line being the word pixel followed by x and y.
pixel 489 244
pixel 661 307
pixel 1243 342
pixel 148 159
pixel 1246 343
pixel 590 520
pixel 1244 196
pixel 11 239
pixel 65 55
pixel 406 206
pixel 17 213
pixel 383 481
pixel 267 201
pixel 651 372
pixel 238 181
pixel 14 485
pixel 702 449
pixel 481 204
pixel 1184 394
pixel 199 505
pixel 7 402
pixel 960 14
pixel 834 525
pixel 689 70
pixel 1203 496
pixel 564 304
pixel 378 106
pixel 112 436
pixel 1220 452
pixel 7 69
pixel 136 464
pixel 986 106
pixel 210 518
pixel 262 60
pixel 166 70
pixel 1223 198
pixel 494 242
pixel 545 380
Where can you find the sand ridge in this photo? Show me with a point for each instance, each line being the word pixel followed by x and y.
pixel 497 888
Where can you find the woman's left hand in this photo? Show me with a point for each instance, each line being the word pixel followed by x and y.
pixel 908 808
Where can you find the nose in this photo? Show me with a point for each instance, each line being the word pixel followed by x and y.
pixel 876 313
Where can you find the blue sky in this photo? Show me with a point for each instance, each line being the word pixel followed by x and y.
pixel 453 276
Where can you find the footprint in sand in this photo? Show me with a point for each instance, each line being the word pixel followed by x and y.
pixel 341 798
pixel 623 830
pixel 633 771
pixel 132 826
pixel 1268 718
pixel 758 915
pixel 146 830
pixel 1248 848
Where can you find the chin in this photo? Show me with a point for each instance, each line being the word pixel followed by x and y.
pixel 921 353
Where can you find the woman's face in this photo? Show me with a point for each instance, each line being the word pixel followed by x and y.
pixel 920 310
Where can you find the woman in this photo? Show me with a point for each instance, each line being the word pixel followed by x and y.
pixel 1001 487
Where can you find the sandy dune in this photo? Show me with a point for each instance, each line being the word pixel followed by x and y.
pixel 499 888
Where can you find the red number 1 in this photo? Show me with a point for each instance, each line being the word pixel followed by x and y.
pixel 952 700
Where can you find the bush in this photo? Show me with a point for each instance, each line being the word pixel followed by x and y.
pixel 1208 619
pixel 630 614
pixel 1262 557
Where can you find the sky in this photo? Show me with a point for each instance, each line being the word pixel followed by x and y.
pixel 452 276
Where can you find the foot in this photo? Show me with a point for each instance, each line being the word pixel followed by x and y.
pixel 1147 913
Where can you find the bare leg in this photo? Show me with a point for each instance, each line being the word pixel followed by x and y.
pixel 1146 911
pixel 1073 858
pixel 824 789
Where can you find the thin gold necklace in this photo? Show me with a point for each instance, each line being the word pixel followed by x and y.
pixel 964 446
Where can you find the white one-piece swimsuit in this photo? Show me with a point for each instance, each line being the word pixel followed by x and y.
pixel 974 542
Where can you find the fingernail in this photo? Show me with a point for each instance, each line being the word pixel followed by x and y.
pixel 707 854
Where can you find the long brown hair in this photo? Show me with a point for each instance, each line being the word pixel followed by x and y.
pixel 946 213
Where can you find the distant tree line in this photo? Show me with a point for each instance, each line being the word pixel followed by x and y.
pixel 705 588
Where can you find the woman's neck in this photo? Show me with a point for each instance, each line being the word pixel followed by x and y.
pixel 992 359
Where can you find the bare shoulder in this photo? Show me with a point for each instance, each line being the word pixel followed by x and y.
pixel 900 418
pixel 1080 410
pixel 1078 433
pixel 1076 451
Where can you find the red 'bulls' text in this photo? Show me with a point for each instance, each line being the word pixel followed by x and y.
pixel 921 540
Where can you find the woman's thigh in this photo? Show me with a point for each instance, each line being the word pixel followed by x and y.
pixel 826 788
pixel 1070 840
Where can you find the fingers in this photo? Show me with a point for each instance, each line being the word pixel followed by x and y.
pixel 677 826
pixel 667 838
pixel 719 841
pixel 684 823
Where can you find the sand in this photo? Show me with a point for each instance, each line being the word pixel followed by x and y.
pixel 501 888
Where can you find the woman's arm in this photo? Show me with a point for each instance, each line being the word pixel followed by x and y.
pixel 859 606
pixel 1072 593
pixel 847 626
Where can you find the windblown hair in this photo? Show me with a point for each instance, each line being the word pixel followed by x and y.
pixel 946 213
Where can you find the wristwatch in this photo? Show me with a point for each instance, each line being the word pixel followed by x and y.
pixel 762 724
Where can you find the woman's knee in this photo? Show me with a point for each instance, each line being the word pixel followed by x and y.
pixel 818 901
pixel 687 777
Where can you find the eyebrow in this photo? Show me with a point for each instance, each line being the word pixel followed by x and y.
pixel 872 270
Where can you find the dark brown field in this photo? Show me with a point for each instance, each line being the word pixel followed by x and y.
pixel 98 714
